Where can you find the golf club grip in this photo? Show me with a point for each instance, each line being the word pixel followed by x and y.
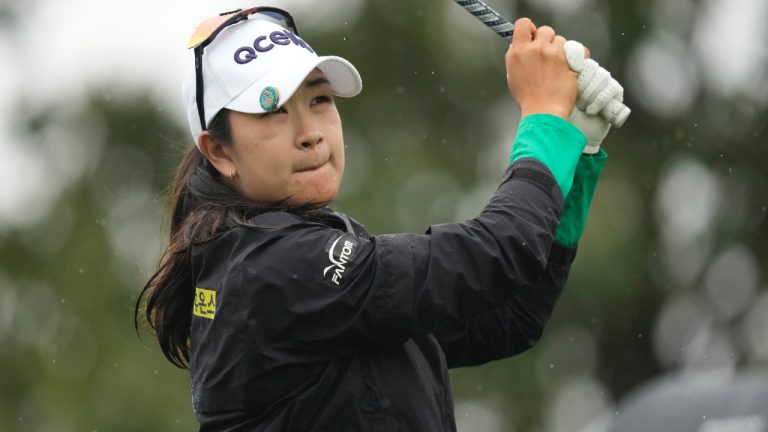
pixel 615 112
pixel 489 17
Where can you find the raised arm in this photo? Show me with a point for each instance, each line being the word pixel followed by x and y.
pixel 518 324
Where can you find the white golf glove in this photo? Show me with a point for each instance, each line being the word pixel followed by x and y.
pixel 599 93
pixel 594 126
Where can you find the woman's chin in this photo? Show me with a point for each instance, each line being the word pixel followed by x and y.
pixel 318 186
pixel 311 200
pixel 315 194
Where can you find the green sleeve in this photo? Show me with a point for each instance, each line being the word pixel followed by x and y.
pixel 552 141
pixel 577 202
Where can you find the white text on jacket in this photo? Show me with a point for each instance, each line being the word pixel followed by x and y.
pixel 339 266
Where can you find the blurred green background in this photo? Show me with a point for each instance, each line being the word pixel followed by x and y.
pixel 671 270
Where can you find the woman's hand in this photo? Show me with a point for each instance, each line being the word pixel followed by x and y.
pixel 538 74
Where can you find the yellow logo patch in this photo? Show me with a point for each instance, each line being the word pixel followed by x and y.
pixel 205 303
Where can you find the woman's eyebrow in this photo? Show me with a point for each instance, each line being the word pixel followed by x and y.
pixel 316 82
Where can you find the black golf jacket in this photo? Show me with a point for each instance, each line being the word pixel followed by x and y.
pixel 309 326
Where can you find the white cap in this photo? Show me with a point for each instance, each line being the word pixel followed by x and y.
pixel 255 66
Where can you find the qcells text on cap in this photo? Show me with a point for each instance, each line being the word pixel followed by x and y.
pixel 262 44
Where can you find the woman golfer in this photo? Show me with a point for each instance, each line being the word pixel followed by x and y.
pixel 291 316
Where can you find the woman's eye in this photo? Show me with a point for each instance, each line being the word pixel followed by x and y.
pixel 321 99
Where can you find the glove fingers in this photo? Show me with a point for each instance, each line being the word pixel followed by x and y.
pixel 586 74
pixel 612 91
pixel 597 84
pixel 598 90
pixel 574 53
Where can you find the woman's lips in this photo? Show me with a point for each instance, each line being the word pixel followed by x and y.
pixel 312 167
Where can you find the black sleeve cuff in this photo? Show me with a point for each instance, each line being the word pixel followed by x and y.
pixel 535 172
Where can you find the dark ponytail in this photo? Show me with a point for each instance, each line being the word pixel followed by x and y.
pixel 202 207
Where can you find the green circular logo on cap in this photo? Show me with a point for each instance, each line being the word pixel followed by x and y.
pixel 269 98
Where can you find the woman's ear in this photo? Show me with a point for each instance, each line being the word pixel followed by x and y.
pixel 220 156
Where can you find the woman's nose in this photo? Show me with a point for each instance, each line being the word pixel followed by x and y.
pixel 309 135
pixel 311 140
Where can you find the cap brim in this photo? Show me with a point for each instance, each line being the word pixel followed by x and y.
pixel 343 76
